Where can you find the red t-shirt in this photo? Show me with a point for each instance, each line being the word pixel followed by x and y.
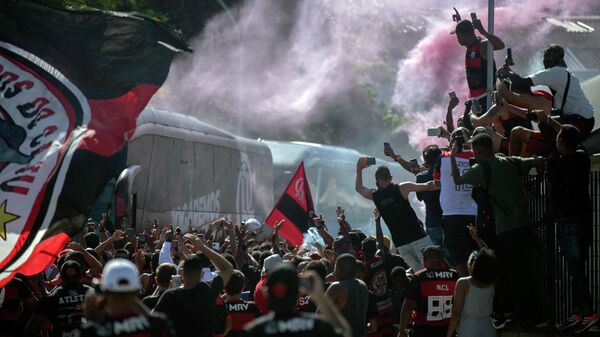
pixel 259 297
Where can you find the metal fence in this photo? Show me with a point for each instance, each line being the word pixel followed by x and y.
pixel 552 280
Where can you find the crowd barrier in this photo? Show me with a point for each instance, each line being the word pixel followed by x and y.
pixel 549 269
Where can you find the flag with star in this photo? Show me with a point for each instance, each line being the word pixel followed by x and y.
pixel 72 83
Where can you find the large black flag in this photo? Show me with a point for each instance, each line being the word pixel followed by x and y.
pixel 72 84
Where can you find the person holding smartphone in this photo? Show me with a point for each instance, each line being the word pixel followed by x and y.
pixel 392 203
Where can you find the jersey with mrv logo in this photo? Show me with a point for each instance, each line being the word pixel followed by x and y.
pixel 293 325
pixel 433 292
pixel 130 324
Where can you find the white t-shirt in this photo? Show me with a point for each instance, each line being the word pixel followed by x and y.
pixel 454 200
pixel 556 79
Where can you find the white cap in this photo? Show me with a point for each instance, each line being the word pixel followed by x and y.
pixel 253 225
pixel 120 276
pixel 271 262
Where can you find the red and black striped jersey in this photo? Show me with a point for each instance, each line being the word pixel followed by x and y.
pixel 433 292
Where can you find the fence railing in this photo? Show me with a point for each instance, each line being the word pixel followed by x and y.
pixel 551 274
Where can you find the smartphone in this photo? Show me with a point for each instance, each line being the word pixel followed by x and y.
pixel 141 239
pixel 155 222
pixel 414 162
pixel 509 59
pixel 434 132
pixel 216 246
pixel 371 161
pixel 386 144
pixel 473 17
pixel 497 98
pixel 130 231
pixel 452 94
pixel 476 106
pixel 175 244
pixel 175 281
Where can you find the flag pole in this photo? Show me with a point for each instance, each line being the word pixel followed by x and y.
pixel 490 55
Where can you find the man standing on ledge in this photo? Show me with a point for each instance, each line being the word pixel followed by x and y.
pixel 392 203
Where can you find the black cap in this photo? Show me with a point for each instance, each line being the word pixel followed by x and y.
pixel 463 27
pixel 283 284
pixel 554 54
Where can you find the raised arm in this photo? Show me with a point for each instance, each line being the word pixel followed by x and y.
pixel 388 151
pixel 452 103
pixel 274 241
pixel 407 187
pixel 496 42
pixel 223 266
pixel 358 182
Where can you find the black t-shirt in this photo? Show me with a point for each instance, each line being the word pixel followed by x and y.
pixel 399 216
pixel 292 325
pixel 150 301
pixel 130 324
pixel 252 274
pixel 63 307
pixel 192 310
pixel 433 209
pixel 569 178
pixel 381 309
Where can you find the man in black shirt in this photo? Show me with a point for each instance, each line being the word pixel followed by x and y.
pixel 284 320
pixel 191 308
pixel 568 181
pixel 392 203
pixel 433 210
pixel 164 272
pixel 122 313
pixel 63 307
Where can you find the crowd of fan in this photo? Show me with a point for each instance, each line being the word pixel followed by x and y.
pixel 464 271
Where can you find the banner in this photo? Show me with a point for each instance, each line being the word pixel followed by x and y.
pixel 72 84
pixel 293 206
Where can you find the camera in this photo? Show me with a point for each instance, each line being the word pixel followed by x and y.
pixel 531 116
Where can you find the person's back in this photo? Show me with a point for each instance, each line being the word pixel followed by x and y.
pixel 130 325
pixel 297 324
pixel 398 214
pixel 475 319
pixel 191 310
pixel 569 177
pixel 506 189
pixel 355 310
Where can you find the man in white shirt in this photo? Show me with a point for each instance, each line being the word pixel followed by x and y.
pixel 458 207
pixel 569 101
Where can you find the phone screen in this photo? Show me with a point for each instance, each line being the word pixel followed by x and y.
pixel 371 161
pixel 130 231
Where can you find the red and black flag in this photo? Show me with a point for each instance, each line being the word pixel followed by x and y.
pixel 72 84
pixel 293 206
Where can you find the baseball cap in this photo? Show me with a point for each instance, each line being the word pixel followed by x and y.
pixel 120 276
pixel 283 285
pixel 554 53
pixel 271 262
pixel 463 27
pixel 253 225
pixel 342 245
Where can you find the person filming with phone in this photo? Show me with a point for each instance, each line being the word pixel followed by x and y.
pixel 392 202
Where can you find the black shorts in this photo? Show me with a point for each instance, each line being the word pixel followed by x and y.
pixel 429 331
pixel 457 239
